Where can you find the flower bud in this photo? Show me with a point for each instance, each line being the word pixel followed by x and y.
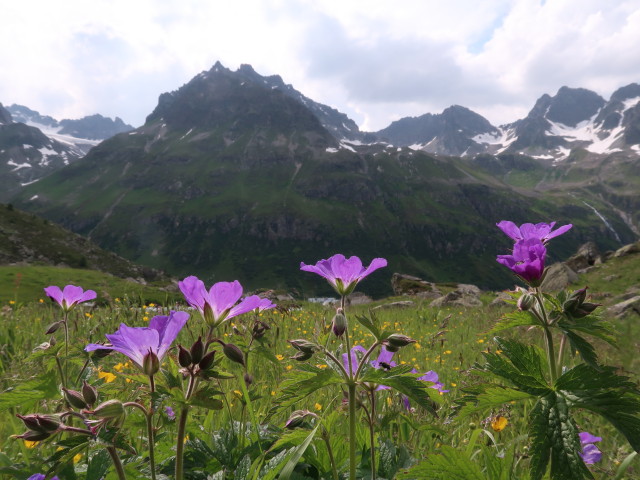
pixel 89 393
pixel 301 356
pixel 259 328
pixel 298 418
pixel 32 436
pixel 398 340
pixel 233 353
pixel 304 346
pixel 339 324
pixel 197 351
pixel 75 399
pixel 111 409
pixel 41 423
pixel 248 379
pixel 392 348
pixel 184 357
pixel 53 327
pixel 207 360
pixel 150 364
pixel 526 302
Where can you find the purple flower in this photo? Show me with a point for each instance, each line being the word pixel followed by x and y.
pixel 354 358
pixel 265 304
pixel 590 453
pixel 40 476
pixel 70 296
pixel 219 303
pixel 383 361
pixel 170 413
pixel 527 260
pixel 343 273
pixel 541 231
pixel 432 377
pixel 140 343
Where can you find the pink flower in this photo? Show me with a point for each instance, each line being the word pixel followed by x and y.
pixel 541 231
pixel 70 296
pixel 343 273
pixel 219 303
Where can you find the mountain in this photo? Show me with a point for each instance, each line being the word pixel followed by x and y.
pixel 33 145
pixel 574 118
pixel 26 239
pixel 449 133
pixel 230 178
pixel 84 133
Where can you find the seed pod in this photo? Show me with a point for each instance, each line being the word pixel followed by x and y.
pixel 233 353
pixel 32 436
pixel 89 393
pixel 207 360
pixel 40 423
pixel 184 357
pixel 150 364
pixel 75 399
pixel 197 351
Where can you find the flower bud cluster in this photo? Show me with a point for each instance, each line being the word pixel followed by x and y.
pixel 575 305
pixel 40 427
pixel 196 359
pixel 305 348
pixel 396 341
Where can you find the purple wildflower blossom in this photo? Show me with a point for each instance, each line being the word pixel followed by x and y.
pixel 527 260
pixel 40 476
pixel 590 453
pixel 219 303
pixel 343 273
pixel 170 413
pixel 265 304
pixel 138 342
pixel 430 376
pixel 541 231
pixel 69 296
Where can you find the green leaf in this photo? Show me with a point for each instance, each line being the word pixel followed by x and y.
pixel 591 325
pixel 515 319
pixel 372 324
pixel 243 468
pixel 407 383
pixel 554 437
pixel 305 381
pixel 98 465
pixel 519 364
pixel 583 347
pixel 29 393
pixel 449 464
pixel 296 455
pixel 490 397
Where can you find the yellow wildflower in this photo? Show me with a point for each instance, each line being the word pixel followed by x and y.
pixel 318 406
pixel 280 357
pixel 30 444
pixel 498 423
pixel 108 377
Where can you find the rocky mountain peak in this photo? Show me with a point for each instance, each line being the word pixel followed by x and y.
pixel 5 116
pixel 571 106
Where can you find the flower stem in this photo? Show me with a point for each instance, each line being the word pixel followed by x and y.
pixel 563 343
pixel 551 356
pixel 332 461
pixel 182 426
pixel 116 463
pixel 352 429
pixel 151 435
pixel 372 434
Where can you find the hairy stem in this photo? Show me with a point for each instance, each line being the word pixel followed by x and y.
pixel 116 462
pixel 332 461
pixel 352 430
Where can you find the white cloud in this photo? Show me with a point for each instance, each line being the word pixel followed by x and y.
pixel 376 61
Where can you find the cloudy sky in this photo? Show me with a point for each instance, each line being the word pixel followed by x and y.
pixel 375 60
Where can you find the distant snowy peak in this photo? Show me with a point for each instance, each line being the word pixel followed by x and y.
pixel 82 133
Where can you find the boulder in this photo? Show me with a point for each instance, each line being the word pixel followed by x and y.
pixel 409 285
pixel 559 276
pixel 457 298
pixel 628 306
pixel 586 256
pixel 393 305
pixel 627 250
pixel 358 298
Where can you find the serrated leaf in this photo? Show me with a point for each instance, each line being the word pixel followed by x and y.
pixel 98 465
pixel 591 325
pixel 243 468
pixel 203 398
pixel 519 364
pixel 449 464
pixel 554 438
pixel 305 381
pixel 515 319
pixel 491 397
pixel 583 347
pixel 30 392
